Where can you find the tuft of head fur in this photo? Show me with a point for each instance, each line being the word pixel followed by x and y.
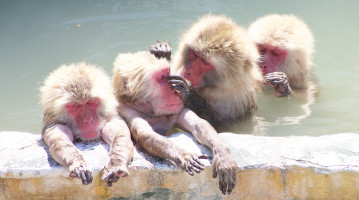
pixel 132 73
pixel 73 83
pixel 224 44
pixel 291 33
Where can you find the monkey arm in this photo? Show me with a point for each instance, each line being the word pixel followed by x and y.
pixel 158 145
pixel 223 163
pixel 192 100
pixel 59 140
pixel 117 135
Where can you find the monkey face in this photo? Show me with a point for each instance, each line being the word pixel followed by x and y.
pixel 271 58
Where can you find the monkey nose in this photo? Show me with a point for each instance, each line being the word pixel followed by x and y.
pixel 88 120
pixel 263 67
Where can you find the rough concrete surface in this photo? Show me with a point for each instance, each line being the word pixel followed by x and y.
pixel 298 167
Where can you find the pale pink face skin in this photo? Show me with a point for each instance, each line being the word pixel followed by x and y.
pixel 168 100
pixel 86 117
pixel 271 58
pixel 195 67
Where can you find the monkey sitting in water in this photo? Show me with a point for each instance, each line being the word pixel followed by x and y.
pixel 220 63
pixel 286 46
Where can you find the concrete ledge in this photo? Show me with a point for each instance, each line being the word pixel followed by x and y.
pixel 325 167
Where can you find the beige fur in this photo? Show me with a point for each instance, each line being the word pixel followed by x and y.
pixel 131 75
pixel 291 33
pixel 225 45
pixel 81 82
pixel 71 83
pixel 140 98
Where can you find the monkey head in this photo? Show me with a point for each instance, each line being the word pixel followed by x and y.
pixel 285 44
pixel 140 79
pixel 215 51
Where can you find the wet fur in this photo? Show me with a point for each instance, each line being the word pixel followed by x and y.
pixel 291 33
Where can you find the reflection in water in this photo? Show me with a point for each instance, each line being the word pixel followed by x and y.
pixel 274 111
pixel 289 111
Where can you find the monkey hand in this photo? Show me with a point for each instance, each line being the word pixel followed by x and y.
pixel 112 173
pixel 180 85
pixel 161 50
pixel 190 163
pixel 280 82
pixel 81 171
pixel 226 167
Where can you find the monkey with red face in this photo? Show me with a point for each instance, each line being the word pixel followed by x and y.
pixel 217 63
pixel 286 46
pixel 79 103
pixel 151 108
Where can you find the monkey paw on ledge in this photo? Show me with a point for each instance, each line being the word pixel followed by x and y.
pixel 298 167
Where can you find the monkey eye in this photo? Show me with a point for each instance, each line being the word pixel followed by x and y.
pixel 163 77
pixel 275 53
pixel 93 102
pixel 72 107
pixel 262 51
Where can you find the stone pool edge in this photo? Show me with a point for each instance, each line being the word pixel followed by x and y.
pixel 296 167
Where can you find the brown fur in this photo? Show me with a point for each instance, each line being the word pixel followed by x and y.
pixel 224 44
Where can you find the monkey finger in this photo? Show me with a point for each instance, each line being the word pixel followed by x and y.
pixel 121 174
pixel 232 183
pixel 214 172
pixel 178 89
pixel 279 81
pixel 182 92
pixel 203 156
pixel 83 177
pixel 197 170
pixel 109 183
pixel 88 175
pixel 114 178
pixel 178 82
pixel 222 183
pixel 189 171
pixel 178 77
pixel 175 77
pixel 196 165
pixel 75 173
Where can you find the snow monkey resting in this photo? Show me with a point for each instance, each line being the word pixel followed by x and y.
pixel 79 103
pixel 286 46
pixel 151 108
pixel 220 61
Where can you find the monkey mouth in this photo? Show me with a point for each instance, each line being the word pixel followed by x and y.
pixel 174 107
pixel 90 135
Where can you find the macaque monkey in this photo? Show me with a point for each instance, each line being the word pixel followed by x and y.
pixel 151 108
pixel 218 62
pixel 79 104
pixel 286 46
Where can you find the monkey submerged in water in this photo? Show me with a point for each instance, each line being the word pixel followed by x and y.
pixel 151 108
pixel 286 45
pixel 219 61
pixel 79 103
